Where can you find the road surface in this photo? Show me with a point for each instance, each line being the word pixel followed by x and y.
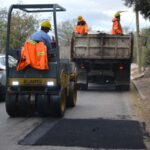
pixel 91 104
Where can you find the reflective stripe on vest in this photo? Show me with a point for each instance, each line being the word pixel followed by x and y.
pixel 33 42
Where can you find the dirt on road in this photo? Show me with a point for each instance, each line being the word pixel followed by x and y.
pixel 142 102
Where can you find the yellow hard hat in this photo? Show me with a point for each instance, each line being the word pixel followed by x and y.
pixel 46 24
pixel 117 14
pixel 80 18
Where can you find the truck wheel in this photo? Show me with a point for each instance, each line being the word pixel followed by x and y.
pixel 82 86
pixel 11 106
pixel 58 104
pixel 2 99
pixel 123 87
pixel 24 106
pixel 43 105
pixel 72 97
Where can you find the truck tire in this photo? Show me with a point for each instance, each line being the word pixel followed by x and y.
pixel 72 96
pixel 82 86
pixel 2 99
pixel 43 105
pixel 58 104
pixel 24 106
pixel 11 106
pixel 123 87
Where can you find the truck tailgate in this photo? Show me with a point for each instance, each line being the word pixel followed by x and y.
pixel 101 46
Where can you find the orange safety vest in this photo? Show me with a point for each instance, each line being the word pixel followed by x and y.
pixel 81 29
pixel 33 54
pixel 116 28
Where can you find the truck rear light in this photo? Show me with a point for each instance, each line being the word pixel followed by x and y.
pixel 121 67
pixel 82 66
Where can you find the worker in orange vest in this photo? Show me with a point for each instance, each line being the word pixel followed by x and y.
pixel 34 52
pixel 116 27
pixel 81 27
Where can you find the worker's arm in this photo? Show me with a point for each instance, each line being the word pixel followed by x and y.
pixel 47 41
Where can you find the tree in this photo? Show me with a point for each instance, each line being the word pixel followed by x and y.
pixel 145 38
pixel 65 30
pixel 143 6
pixel 22 26
pixel 3 24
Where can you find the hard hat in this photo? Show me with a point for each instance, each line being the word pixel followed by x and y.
pixel 46 24
pixel 117 14
pixel 80 18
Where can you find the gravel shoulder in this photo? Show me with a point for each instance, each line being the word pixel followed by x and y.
pixel 142 104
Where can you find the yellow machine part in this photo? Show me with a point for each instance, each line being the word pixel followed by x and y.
pixel 64 79
pixel 30 81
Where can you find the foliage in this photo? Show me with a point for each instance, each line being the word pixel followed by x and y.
pixel 3 24
pixel 143 6
pixel 144 47
pixel 65 30
pixel 22 25
pixel 145 41
pixel 145 31
pixel 144 55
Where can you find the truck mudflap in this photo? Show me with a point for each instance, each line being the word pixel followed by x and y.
pixel 82 81
pixel 123 87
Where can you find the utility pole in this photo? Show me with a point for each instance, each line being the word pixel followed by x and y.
pixel 138 42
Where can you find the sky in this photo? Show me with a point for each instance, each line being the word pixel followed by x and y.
pixel 97 13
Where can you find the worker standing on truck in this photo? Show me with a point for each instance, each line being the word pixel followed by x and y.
pixel 81 27
pixel 116 27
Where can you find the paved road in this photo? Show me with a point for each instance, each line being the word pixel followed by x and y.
pixel 91 104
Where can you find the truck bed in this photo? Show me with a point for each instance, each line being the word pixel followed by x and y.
pixel 101 46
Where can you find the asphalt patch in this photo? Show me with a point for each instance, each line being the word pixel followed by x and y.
pixel 90 133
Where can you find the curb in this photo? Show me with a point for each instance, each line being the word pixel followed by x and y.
pixel 137 76
pixel 138 90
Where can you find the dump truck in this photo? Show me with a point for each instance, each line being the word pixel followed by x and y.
pixel 44 92
pixel 103 59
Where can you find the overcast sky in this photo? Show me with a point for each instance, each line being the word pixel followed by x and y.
pixel 97 13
